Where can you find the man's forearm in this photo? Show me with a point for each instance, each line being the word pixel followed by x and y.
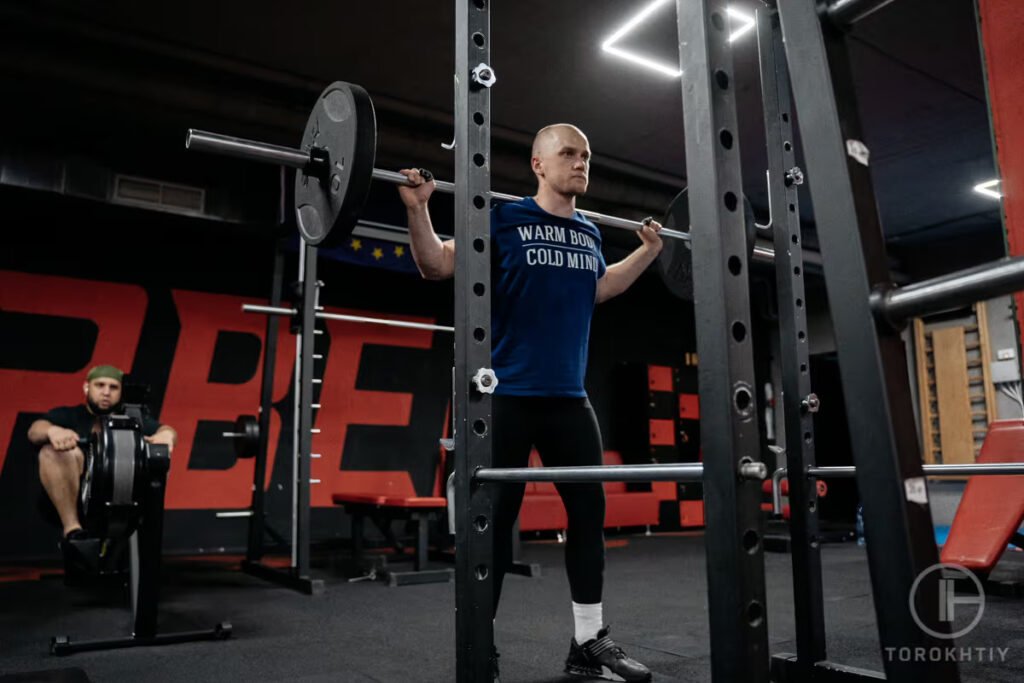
pixel 433 258
pixel 619 276
pixel 167 429
pixel 37 432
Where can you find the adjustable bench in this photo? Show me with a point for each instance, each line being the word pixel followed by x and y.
pixel 992 508
pixel 395 498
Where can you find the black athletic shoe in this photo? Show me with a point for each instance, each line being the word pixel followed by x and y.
pixel 599 657
pixel 494 664
pixel 78 534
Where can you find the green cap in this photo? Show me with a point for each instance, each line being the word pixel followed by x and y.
pixel 105 371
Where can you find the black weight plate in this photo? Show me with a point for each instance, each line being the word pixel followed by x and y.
pixel 674 263
pixel 343 125
pixel 247 444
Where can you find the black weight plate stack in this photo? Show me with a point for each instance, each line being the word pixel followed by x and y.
pixel 342 129
pixel 674 263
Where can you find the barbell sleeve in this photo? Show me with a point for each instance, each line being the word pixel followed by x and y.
pixel 250 150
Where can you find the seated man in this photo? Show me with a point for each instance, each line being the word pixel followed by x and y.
pixel 61 460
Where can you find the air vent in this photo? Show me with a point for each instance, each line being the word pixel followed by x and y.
pixel 159 195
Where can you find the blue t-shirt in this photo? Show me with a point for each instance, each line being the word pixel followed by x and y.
pixel 544 274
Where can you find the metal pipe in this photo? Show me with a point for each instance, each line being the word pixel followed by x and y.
pixel 951 291
pixel 599 218
pixel 654 472
pixel 845 12
pixel 277 310
pixel 966 469
pixel 777 478
pixel 250 150
pixel 592 474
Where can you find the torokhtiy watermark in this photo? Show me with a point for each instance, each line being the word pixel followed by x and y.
pixel 948 599
pixel 949 606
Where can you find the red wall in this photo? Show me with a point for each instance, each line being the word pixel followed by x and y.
pixel 1002 33
pixel 119 311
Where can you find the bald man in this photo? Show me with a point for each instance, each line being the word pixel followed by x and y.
pixel 547 273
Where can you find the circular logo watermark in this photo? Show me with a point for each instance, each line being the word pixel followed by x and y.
pixel 947 598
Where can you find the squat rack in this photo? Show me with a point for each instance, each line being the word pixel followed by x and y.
pixel 868 312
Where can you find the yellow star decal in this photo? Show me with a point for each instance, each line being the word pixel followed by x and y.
pixel 356 245
pixel 378 253
pixel 399 251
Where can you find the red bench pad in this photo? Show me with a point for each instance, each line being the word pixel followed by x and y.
pixel 391 489
pixel 388 501
pixel 543 509
pixel 992 507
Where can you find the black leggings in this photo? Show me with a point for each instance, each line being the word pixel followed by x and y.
pixel 565 432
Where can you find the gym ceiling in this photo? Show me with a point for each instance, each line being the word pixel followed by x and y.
pixel 97 70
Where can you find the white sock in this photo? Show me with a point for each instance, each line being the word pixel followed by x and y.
pixel 588 620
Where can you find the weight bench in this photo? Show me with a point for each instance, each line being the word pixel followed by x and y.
pixel 992 508
pixel 396 499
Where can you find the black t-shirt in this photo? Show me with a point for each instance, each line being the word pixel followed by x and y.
pixel 81 420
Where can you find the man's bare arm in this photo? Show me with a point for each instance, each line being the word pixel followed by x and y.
pixel 43 432
pixel 37 432
pixel 619 276
pixel 434 258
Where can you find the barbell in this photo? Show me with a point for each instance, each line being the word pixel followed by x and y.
pixel 335 161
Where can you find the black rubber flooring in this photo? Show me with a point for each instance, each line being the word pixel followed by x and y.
pixel 655 602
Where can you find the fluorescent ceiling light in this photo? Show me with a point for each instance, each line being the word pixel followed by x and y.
pixel 988 188
pixel 748 22
pixel 672 71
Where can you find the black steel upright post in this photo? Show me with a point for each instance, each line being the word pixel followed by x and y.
pixel 729 432
pixel 254 547
pixel 474 515
pixel 876 387
pixel 301 500
pixel 146 545
pixel 798 405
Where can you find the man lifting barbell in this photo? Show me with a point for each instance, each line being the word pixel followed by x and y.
pixel 61 461
pixel 547 273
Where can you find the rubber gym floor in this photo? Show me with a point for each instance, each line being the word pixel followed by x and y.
pixel 655 602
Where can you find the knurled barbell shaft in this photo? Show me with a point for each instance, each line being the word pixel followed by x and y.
pixel 280 310
pixel 253 150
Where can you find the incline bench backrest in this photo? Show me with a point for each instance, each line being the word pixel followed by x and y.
pixel 992 507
